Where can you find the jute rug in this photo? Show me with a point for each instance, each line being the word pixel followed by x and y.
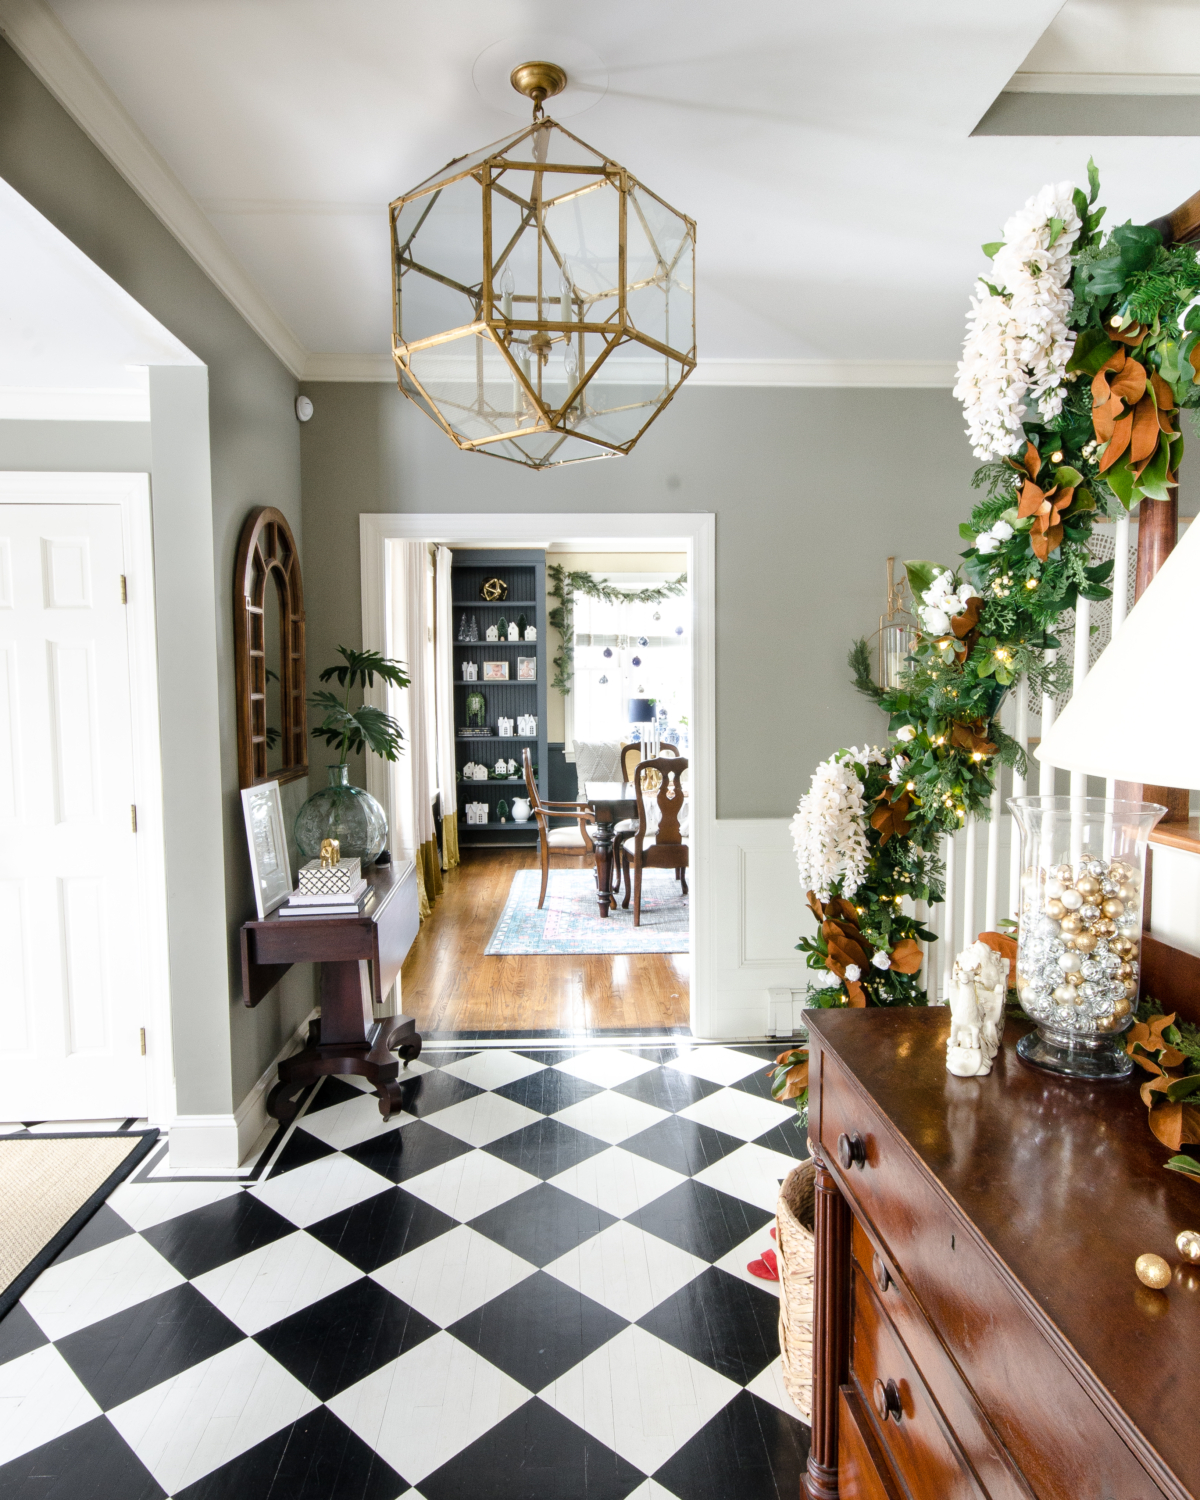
pixel 570 920
pixel 50 1186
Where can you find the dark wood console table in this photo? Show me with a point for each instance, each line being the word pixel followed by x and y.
pixel 978 1329
pixel 347 1038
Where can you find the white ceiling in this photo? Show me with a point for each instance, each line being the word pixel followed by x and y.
pixel 824 150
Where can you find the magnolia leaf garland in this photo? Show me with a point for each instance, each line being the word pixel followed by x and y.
pixel 565 584
pixel 1082 352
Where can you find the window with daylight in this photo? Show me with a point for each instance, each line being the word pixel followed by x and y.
pixel 625 651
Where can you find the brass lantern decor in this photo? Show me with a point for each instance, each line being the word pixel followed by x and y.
pixel 544 300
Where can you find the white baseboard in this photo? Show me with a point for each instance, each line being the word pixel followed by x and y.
pixel 222 1142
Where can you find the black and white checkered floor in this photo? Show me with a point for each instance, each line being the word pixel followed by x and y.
pixel 531 1285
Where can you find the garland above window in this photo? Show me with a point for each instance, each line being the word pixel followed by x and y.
pixel 564 585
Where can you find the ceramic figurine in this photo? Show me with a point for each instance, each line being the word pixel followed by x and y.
pixel 492 633
pixel 978 987
pixel 504 727
pixel 514 631
pixel 531 632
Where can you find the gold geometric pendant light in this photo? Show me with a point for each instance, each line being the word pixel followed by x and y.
pixel 544 299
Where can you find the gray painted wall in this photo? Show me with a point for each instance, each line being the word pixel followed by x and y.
pixel 812 490
pixel 255 460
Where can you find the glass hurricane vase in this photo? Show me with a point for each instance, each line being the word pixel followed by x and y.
pixel 343 812
pixel 1083 865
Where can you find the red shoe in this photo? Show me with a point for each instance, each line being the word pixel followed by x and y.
pixel 766 1268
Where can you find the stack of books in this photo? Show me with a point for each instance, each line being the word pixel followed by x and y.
pixel 349 903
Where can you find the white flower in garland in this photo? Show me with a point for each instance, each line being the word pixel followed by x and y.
pixel 829 831
pixel 943 600
pixel 1018 342
pixel 881 959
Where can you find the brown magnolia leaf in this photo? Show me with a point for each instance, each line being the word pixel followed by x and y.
pixel 796 1081
pixel 1144 439
pixel 857 995
pixel 1134 334
pixel 843 951
pixel 1032 499
pixel 1163 393
pixel 1032 460
pixel 1118 443
pixel 842 910
pixel 892 818
pixel 1129 383
pixel 1104 417
pixel 1001 943
pixel 1194 361
pixel 815 906
pixel 1043 546
pixel 906 956
pixel 969 737
pixel 963 624
pixel 1158 1025
pixel 1151 1086
pixel 1166 423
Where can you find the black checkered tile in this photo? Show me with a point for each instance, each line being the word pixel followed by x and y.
pixel 397 1310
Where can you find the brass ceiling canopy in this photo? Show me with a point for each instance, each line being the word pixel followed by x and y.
pixel 544 298
pixel 538 81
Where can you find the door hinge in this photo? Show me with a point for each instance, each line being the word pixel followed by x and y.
pixel 124 591
pixel 133 816
pixel 142 1037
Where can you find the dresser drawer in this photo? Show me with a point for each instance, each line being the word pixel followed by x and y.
pixel 905 1417
pixel 863 1472
pixel 974 1433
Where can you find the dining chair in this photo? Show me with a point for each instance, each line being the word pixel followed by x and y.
pixel 662 847
pixel 569 840
pixel 631 758
pixel 631 755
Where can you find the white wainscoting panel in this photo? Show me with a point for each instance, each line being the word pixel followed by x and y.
pixel 757 915
pixel 1175 897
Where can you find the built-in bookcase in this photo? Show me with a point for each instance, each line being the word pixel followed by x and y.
pixel 524 572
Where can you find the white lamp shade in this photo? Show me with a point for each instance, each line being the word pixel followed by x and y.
pixel 1136 715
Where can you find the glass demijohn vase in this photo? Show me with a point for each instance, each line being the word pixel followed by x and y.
pixel 343 812
pixel 1083 865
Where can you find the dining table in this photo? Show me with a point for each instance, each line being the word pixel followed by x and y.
pixel 610 803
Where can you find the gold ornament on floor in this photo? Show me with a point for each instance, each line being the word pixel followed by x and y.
pixel 1152 1270
pixel 1187 1242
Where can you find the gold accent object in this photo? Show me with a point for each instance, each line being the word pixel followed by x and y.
pixel 494 590
pixel 543 297
pixel 331 853
pixel 1187 1242
pixel 1152 1270
pixel 897 633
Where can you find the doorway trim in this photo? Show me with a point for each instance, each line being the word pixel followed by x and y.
pixel 588 531
pixel 131 494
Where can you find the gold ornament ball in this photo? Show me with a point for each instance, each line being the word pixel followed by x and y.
pixel 1072 922
pixel 1124 971
pixel 1119 870
pixel 1121 1007
pixel 1088 886
pixel 1085 941
pixel 1187 1242
pixel 1113 908
pixel 1127 891
pixel 1105 927
pixel 1055 909
pixel 1107 1023
pixel 1124 948
pixel 1153 1271
pixel 1064 873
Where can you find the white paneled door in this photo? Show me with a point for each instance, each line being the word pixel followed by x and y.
pixel 72 961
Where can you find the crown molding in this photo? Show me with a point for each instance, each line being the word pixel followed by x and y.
pixel 896 374
pixel 38 37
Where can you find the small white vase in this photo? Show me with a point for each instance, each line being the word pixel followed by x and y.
pixel 521 810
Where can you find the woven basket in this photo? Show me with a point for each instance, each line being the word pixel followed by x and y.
pixel 794 1218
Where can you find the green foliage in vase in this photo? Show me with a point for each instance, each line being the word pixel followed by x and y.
pixel 364 727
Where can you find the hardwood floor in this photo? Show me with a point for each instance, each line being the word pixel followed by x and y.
pixel 448 983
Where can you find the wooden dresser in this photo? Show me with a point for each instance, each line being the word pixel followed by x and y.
pixel 978 1327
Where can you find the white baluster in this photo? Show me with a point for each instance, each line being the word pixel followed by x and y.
pixel 1083 621
pixel 1021 735
pixel 990 895
pixel 969 930
pixel 1120 608
pixel 946 931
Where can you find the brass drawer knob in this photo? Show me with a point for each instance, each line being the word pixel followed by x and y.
pixel 851 1151
pixel 887 1400
pixel 882 1279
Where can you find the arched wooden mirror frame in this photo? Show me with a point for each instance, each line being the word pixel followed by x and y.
pixel 267 555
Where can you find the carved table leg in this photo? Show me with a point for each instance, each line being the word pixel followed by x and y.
pixel 831 1329
pixel 603 840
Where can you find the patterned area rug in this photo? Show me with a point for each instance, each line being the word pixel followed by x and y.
pixel 570 921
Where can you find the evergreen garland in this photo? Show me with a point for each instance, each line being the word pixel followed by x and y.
pixel 1114 439
pixel 564 585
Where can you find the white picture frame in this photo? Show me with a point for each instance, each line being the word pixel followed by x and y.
pixel 526 668
pixel 266 838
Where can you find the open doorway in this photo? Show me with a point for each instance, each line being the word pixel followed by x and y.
pixel 508 946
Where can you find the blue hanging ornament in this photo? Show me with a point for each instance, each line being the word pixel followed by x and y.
pixel 603 681
pixel 643 640
pixel 636 662
pixel 608 650
pixel 679 630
